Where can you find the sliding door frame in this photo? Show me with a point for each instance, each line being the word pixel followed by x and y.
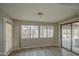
pixel 71 35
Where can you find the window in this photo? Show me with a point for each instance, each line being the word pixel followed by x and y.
pixel 46 32
pixel 42 31
pixel 25 31
pixel 49 31
pixel 29 31
pixel 34 31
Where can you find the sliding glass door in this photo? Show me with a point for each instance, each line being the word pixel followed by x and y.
pixel 66 36
pixel 75 37
pixel 70 36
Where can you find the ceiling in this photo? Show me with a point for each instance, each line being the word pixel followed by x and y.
pixel 51 12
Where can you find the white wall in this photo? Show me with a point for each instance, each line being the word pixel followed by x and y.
pixel 16 34
pixel 2 32
pixel 28 43
pixel 78 12
pixel 1 36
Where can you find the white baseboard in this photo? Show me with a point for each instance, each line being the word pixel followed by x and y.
pixel 7 53
pixel 34 47
pixel 1 54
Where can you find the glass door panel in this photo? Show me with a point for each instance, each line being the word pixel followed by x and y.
pixel 75 37
pixel 66 36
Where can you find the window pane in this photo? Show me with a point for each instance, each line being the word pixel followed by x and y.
pixel 34 31
pixel 43 31
pixel 50 31
pixel 66 36
pixel 75 37
pixel 25 31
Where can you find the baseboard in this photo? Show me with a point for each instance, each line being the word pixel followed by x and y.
pixel 34 47
pixel 29 48
pixel 1 54
pixel 7 53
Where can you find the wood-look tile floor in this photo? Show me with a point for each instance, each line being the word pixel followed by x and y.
pixel 43 51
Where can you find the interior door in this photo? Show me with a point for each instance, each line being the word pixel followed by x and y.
pixel 8 37
pixel 66 36
pixel 75 37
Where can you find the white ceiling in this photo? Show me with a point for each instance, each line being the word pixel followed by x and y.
pixel 71 5
pixel 51 12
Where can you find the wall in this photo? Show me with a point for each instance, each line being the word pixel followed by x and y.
pixel 78 12
pixel 16 34
pixel 1 35
pixel 28 43
pixel 2 32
